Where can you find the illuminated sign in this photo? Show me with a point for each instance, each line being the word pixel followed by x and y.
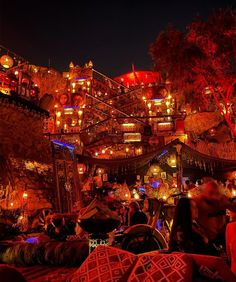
pixel 165 126
pixel 132 137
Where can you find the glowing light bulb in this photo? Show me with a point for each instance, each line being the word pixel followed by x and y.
pixel 164 197
pixel 126 150
pixel 234 193
pixel 149 105
pixel 136 196
pixel 11 204
pixel 126 195
pixel 80 112
pixel 111 152
pixel 103 151
pixel 189 195
pixel 25 195
pixel 58 114
pixel 96 154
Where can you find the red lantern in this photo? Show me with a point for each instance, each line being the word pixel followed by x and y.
pixel 81 168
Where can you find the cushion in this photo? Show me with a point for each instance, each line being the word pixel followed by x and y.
pixel 105 264
pixel 9 274
pixel 213 268
pixel 162 267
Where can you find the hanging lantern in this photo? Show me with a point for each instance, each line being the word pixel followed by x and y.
pixel 81 168
pixel 100 171
pixel 6 61
pixel 25 196
pixel 172 161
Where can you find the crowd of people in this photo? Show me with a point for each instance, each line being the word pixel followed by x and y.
pixel 200 225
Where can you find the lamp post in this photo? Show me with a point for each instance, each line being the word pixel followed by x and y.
pixel 179 166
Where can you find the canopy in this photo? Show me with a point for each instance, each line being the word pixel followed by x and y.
pixel 190 157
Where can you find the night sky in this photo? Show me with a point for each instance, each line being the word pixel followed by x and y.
pixel 113 34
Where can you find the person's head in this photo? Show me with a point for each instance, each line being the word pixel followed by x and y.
pixel 211 191
pixel 134 207
pixel 199 182
pixel 186 210
pixel 187 182
pixel 63 99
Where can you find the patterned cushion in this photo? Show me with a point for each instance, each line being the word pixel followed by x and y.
pixel 105 264
pixel 165 268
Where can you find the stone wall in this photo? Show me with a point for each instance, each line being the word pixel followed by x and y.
pixel 30 186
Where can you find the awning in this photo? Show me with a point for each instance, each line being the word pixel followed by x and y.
pixel 190 157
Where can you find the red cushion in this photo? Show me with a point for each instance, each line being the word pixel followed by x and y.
pixel 10 274
pixel 162 267
pixel 214 267
pixel 105 264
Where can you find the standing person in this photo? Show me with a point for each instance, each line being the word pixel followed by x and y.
pixel 212 207
pixel 186 234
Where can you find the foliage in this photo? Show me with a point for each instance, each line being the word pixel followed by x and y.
pixel 201 61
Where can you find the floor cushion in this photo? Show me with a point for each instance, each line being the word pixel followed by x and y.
pixel 105 264
pixel 162 267
pixel 10 274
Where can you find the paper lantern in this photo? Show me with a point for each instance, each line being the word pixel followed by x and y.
pixel 172 161
pixel 6 61
pixel 81 168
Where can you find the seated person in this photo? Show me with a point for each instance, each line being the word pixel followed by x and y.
pixel 186 234
pixel 231 245
pixel 136 216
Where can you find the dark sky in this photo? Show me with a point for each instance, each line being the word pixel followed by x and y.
pixel 113 34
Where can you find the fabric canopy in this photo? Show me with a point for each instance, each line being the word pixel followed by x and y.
pixel 189 157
